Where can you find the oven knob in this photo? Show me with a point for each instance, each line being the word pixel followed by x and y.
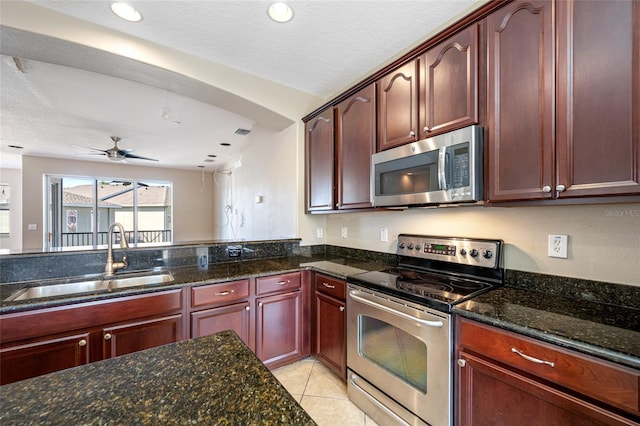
pixel 410 246
pixel 401 245
pixel 463 252
pixel 487 254
pixel 417 247
pixel 473 253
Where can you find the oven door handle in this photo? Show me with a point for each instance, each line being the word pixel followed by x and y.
pixel 420 321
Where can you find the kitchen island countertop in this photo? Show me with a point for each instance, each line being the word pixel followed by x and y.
pixel 209 380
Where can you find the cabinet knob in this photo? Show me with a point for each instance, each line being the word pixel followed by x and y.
pixel 560 188
pixel 341 308
pixel 546 188
pixel 412 133
pixel 260 304
pixel 82 342
pixel 248 308
pixel 107 336
pixel 462 362
pixel 426 129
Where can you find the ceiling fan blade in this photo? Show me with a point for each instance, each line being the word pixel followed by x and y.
pixel 138 157
pixel 88 147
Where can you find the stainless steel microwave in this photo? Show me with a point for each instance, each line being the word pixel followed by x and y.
pixel 444 169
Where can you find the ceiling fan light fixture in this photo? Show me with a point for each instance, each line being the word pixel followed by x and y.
pixel 126 11
pixel 280 12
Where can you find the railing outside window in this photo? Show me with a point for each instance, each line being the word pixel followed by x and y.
pixel 76 239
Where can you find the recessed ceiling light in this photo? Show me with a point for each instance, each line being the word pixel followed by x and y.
pixel 225 144
pixel 126 11
pixel 280 12
pixel 212 155
pixel 16 146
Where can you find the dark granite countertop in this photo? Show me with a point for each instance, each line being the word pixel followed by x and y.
pixel 209 380
pixel 603 330
pixel 337 266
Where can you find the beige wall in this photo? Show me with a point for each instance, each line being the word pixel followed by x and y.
pixel 192 197
pixel 604 240
pixel 14 179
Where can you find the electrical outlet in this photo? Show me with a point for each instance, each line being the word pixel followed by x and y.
pixel 319 232
pixel 558 246
pixel 384 235
pixel 343 232
pixel 202 254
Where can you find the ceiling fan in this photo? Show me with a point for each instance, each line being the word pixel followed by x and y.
pixel 117 154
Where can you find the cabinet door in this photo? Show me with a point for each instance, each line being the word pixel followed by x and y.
pixel 42 357
pixel 520 101
pixel 598 140
pixel 489 394
pixel 233 317
pixel 279 328
pixel 356 136
pixel 320 162
pixel 331 344
pixel 398 107
pixel 132 337
pixel 449 84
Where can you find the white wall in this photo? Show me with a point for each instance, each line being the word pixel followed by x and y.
pixel 192 194
pixel 14 178
pixel 604 240
pixel 268 169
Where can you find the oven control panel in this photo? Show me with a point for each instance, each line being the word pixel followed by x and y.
pixel 467 251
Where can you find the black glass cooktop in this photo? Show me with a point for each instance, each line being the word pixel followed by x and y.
pixel 437 290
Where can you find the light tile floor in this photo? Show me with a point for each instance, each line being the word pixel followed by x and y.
pixel 321 393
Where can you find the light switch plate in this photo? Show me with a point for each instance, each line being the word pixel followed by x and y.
pixel 558 246
pixel 319 232
pixel 384 235
pixel 343 232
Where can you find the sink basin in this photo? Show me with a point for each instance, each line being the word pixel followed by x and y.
pixel 91 286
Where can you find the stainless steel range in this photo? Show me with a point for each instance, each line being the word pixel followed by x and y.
pixel 399 327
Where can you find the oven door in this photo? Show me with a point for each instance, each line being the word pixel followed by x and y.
pixel 403 351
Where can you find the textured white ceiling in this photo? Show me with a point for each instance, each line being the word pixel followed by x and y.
pixel 328 46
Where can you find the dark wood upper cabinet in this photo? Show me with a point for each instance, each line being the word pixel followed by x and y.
pixel 593 104
pixel 449 84
pixel 355 143
pixel 398 106
pixel 520 101
pixel 598 121
pixel 320 162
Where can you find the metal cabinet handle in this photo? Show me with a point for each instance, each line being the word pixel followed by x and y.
pixel 560 188
pixel 462 362
pixel 327 285
pixel 546 188
pixel 532 359
pixel 107 336
pixel 260 304
pixel 426 129
pixel 412 133
pixel 224 293
pixel 341 308
pixel 284 282
pixel 82 342
pixel 248 308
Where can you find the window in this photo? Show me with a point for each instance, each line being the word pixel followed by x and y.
pixel 81 209
pixel 4 209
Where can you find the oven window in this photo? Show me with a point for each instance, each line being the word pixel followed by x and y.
pixel 395 350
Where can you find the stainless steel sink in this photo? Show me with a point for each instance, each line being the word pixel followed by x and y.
pixel 91 286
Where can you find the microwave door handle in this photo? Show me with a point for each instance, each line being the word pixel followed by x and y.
pixel 442 168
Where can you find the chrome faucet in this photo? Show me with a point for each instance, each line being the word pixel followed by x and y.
pixel 111 267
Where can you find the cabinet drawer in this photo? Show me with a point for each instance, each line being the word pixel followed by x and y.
pixel 219 293
pixel 274 283
pixel 331 286
pixel 605 381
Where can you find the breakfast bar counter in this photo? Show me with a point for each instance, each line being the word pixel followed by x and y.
pixel 209 380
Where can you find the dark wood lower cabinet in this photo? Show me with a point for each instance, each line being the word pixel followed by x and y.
pixel 234 317
pixel 330 331
pixel 126 338
pixel 492 395
pixel 279 328
pixel 43 356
